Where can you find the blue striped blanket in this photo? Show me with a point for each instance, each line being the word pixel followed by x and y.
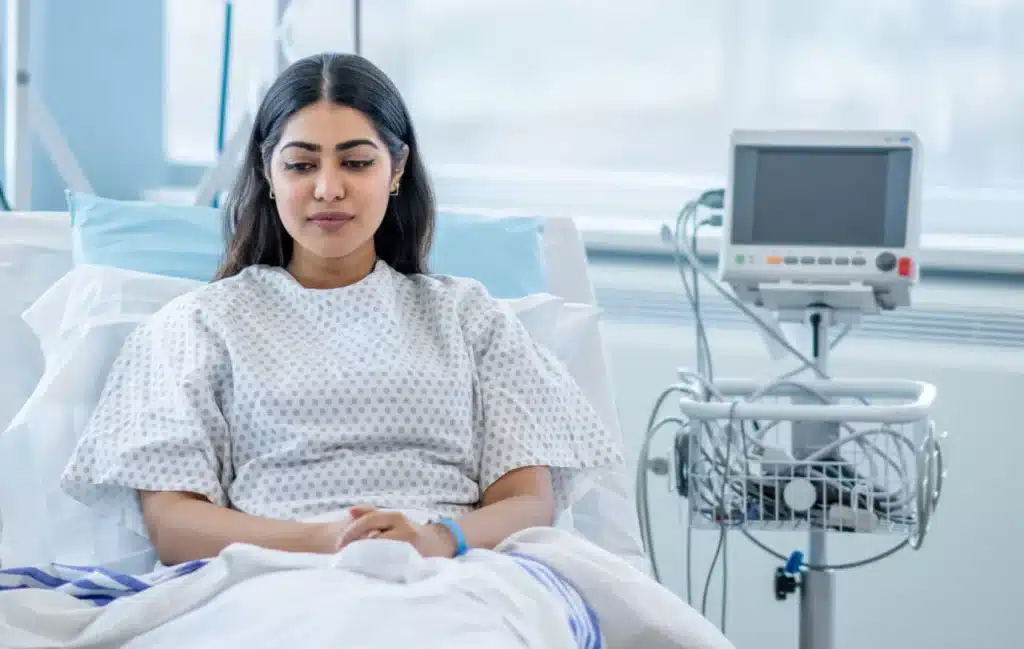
pixel 100 586
pixel 582 618
pixel 91 584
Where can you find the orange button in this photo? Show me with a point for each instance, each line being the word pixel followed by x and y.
pixel 774 260
pixel 906 267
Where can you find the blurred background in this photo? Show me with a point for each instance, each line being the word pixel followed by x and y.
pixel 539 95
pixel 617 113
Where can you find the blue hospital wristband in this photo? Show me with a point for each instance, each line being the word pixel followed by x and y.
pixel 460 538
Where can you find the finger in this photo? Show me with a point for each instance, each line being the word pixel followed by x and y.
pixel 362 526
pixel 372 534
pixel 399 533
pixel 361 510
pixel 377 520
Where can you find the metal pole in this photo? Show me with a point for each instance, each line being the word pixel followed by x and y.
pixel 17 113
pixel 280 60
pixel 225 78
pixel 357 26
pixel 230 147
pixel 817 595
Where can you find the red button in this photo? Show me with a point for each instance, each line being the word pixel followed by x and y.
pixel 906 267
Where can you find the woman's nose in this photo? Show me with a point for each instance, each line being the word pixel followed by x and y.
pixel 330 185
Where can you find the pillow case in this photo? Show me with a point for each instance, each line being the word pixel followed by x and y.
pixel 33 255
pixel 504 252
pixel 175 240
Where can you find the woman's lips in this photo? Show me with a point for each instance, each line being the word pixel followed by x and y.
pixel 331 220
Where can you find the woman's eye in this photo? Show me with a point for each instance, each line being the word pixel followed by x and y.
pixel 298 166
pixel 358 164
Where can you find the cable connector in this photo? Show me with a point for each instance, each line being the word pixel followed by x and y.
pixel 659 466
pixel 713 199
pixel 785 585
pixel 666 233
pixel 785 577
pixel 794 563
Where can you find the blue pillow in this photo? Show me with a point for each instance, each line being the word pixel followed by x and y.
pixel 176 240
pixel 505 253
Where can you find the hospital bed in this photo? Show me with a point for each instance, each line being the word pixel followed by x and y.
pixel 39 525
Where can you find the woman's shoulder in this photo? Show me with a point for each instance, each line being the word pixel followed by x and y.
pixel 208 302
pixel 461 292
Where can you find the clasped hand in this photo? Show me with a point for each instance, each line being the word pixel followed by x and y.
pixel 372 523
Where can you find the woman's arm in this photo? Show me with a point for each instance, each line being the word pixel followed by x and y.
pixel 519 499
pixel 185 526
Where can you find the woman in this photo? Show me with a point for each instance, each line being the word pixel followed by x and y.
pixel 324 371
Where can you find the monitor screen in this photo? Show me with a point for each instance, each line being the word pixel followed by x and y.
pixel 821 196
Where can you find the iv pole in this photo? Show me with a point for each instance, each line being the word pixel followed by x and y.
pixel 26 115
pixel 220 174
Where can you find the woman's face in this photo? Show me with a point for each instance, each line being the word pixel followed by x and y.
pixel 331 175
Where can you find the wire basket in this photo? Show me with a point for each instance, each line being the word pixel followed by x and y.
pixel 836 455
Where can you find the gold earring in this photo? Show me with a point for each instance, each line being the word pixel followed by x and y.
pixel 394 190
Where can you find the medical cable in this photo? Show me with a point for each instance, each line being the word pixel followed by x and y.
pixel 692 259
pixel 691 286
pixel 687 255
pixel 3 200
pixel 642 509
pixel 697 267
pixel 705 366
pixel 722 548
pixel 784 381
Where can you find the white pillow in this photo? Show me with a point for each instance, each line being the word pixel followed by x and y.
pixel 81 323
pixel 29 263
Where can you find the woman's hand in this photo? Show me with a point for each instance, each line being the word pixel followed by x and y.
pixel 372 523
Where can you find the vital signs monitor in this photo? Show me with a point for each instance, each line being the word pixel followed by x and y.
pixel 822 218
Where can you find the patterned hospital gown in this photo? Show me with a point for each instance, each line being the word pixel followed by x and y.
pixel 406 392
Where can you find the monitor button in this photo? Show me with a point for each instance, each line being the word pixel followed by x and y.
pixel 885 262
pixel 906 267
pixel 792 260
pixel 807 260
pixel 825 261
pixel 842 261
pixel 859 261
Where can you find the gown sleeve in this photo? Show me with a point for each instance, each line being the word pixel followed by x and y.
pixel 531 412
pixel 158 425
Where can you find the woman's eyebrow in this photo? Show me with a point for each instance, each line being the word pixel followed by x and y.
pixel 342 146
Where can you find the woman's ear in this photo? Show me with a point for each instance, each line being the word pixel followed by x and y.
pixel 399 166
pixel 270 184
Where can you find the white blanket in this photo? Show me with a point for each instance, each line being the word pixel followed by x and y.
pixel 372 595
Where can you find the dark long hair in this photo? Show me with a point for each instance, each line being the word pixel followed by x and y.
pixel 252 226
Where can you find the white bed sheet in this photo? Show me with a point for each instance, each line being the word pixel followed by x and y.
pixel 372 595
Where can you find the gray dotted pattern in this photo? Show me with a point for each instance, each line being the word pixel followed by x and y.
pixel 286 402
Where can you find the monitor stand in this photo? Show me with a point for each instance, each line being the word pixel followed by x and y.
pixel 792 300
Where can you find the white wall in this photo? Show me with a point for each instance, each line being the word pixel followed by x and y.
pixel 965 587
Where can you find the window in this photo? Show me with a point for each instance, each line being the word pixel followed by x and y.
pixel 622 107
pixel 194 49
